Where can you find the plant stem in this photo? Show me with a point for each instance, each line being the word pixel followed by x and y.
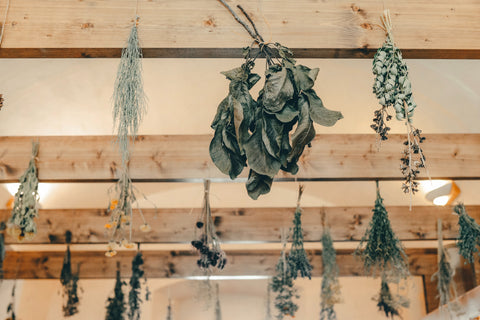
pixel 250 32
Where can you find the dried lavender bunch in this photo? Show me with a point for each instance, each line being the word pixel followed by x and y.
pixel 330 293
pixel 69 281
pixel 116 306
pixel 297 259
pixel 134 299
pixel 218 310
pixel 2 248
pixel 469 234
pixel 388 303
pixel 21 224
pixel 208 244
pixel 381 251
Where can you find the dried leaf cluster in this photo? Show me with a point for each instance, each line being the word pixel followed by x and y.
pixel 330 291
pixel 69 281
pixel 389 303
pixel 469 234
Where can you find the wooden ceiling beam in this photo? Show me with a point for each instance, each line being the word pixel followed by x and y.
pixel 333 157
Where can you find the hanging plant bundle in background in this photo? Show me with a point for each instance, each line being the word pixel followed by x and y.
pixel 169 310
pixel 116 305
pixel 268 310
pixel 134 299
pixel 258 132
pixel 11 306
pixel 69 282
pixel 128 97
pixel 469 234
pixel 330 292
pixel 21 224
pixel 218 309
pixel 388 303
pixel 392 87
pixel 297 259
pixel 2 248
pixel 208 244
pixel 381 251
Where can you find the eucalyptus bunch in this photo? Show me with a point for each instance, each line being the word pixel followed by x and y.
pixel 69 281
pixel 389 303
pixel 208 244
pixel 2 248
pixel 116 306
pixel 257 132
pixel 380 249
pixel 297 258
pixel 218 309
pixel 330 292
pixel 134 298
pixel 469 234
pixel 21 224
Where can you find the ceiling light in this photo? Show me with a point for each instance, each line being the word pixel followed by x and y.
pixel 444 194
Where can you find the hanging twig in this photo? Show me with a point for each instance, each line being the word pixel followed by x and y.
pixel 251 22
pixel 243 23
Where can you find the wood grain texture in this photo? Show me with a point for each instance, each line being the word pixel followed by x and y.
pixel 158 158
pixel 418 24
pixel 245 224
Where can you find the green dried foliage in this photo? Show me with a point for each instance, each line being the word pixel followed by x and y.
pixel 21 224
pixel 2 248
pixel 298 259
pixel 218 309
pixel 129 102
pixel 169 310
pixel 69 281
pixel 134 299
pixel 258 132
pixel 11 305
pixel 388 303
pixel 469 234
pixel 330 293
pixel 380 249
pixel 116 306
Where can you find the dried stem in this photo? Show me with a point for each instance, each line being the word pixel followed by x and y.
pixel 243 23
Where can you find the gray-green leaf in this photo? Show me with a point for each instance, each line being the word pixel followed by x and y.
pixel 258 184
pixel 319 113
pixel 278 89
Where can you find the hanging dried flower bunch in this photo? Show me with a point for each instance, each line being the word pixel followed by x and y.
pixel 330 292
pixel 297 258
pixel 2 248
pixel 388 303
pixel 381 251
pixel 116 305
pixel 134 299
pixel 69 281
pixel 282 284
pixel 11 305
pixel 208 244
pixel 21 224
pixel 218 309
pixel 392 87
pixel 258 132
pixel 169 310
pixel 469 234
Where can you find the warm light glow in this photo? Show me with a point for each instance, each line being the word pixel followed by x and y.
pixel 12 188
pixel 441 201
pixel 43 189
pixel 429 185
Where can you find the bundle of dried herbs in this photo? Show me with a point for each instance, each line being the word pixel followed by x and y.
pixel 69 281
pixel 116 305
pixel 208 244
pixel 2 248
pixel 21 224
pixel 169 310
pixel 469 234
pixel 128 96
pixel 380 249
pixel 297 258
pixel 258 132
pixel 388 303
pixel 393 88
pixel 134 299
pixel 218 309
pixel 330 292
pixel 282 284
pixel 11 305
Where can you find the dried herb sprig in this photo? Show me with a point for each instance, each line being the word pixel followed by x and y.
pixel 218 308
pixel 21 224
pixel 129 102
pixel 330 292
pixel 388 303
pixel 258 132
pixel 69 281
pixel 116 306
pixel 169 310
pixel 134 299
pixel 2 248
pixel 11 305
pixel 381 251
pixel 468 239
pixel 208 244
pixel 297 258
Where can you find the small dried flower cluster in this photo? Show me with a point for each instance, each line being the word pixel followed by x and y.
pixel 412 160
pixel 379 122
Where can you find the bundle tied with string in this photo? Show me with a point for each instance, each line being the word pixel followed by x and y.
pixel 134 295
pixel 388 302
pixel 69 281
pixel 330 291
pixel 257 132
pixel 21 224
pixel 468 239
pixel 116 306
pixel 218 309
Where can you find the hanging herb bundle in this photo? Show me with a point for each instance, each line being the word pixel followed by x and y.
pixel 21 224
pixel 218 310
pixel 258 132
pixel 11 305
pixel 469 234
pixel 169 310
pixel 282 284
pixel 69 282
pixel 116 305
pixel 134 299
pixel 393 88
pixel 297 259
pixel 330 293
pixel 388 303
pixel 208 244
pixel 129 101
pixel 2 248
pixel 381 251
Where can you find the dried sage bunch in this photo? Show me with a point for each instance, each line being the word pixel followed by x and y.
pixel 2 249
pixel 330 292
pixel 208 244
pixel 218 309
pixel 120 211
pixel 380 249
pixel 21 224
pixel 69 281
pixel 392 87
pixel 298 259
pixel 469 234
pixel 388 303
pixel 116 306
pixel 134 299
pixel 258 132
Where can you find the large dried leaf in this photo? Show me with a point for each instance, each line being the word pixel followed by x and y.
pixel 272 135
pixel 304 77
pixel 288 113
pixel 319 113
pixel 226 161
pixel 278 89
pixel 258 184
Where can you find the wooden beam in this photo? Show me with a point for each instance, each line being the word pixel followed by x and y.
pixel 333 157
pixel 324 25
pixel 245 224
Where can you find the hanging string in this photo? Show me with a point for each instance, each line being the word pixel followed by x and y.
pixel 4 21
